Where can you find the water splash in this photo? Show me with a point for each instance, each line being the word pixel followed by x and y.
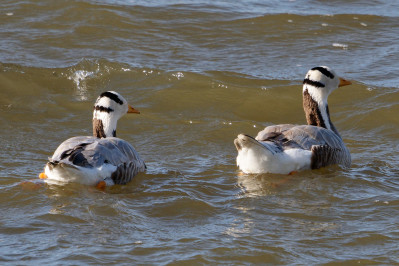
pixel 79 77
pixel 178 75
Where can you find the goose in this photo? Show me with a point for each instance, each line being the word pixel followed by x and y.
pixel 287 148
pixel 101 159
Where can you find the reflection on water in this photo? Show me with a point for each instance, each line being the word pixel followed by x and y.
pixel 258 185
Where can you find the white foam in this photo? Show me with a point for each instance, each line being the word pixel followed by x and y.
pixel 340 45
pixel 178 75
pixel 148 72
pixel 78 77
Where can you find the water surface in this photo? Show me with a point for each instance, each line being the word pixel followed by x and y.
pixel 200 72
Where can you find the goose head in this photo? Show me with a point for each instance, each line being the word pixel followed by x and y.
pixel 319 82
pixel 108 108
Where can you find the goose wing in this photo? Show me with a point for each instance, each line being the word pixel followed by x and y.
pixel 326 146
pixel 94 152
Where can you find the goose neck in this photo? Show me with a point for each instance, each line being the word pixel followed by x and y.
pixel 317 112
pixel 104 125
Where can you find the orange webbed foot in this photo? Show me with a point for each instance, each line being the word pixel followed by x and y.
pixel 101 185
pixel 42 175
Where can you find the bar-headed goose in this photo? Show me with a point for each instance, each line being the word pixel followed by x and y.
pixel 283 149
pixel 101 158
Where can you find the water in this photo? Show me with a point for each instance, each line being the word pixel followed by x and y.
pixel 200 72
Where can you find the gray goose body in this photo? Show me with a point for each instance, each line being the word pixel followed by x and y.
pixel 287 148
pixel 326 147
pixel 92 159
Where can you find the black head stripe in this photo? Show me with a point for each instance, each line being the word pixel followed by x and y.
pixel 324 71
pixel 313 83
pixel 112 96
pixel 103 109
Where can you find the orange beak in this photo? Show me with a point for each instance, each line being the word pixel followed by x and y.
pixel 131 110
pixel 344 82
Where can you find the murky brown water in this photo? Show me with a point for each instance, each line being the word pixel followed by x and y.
pixel 200 73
